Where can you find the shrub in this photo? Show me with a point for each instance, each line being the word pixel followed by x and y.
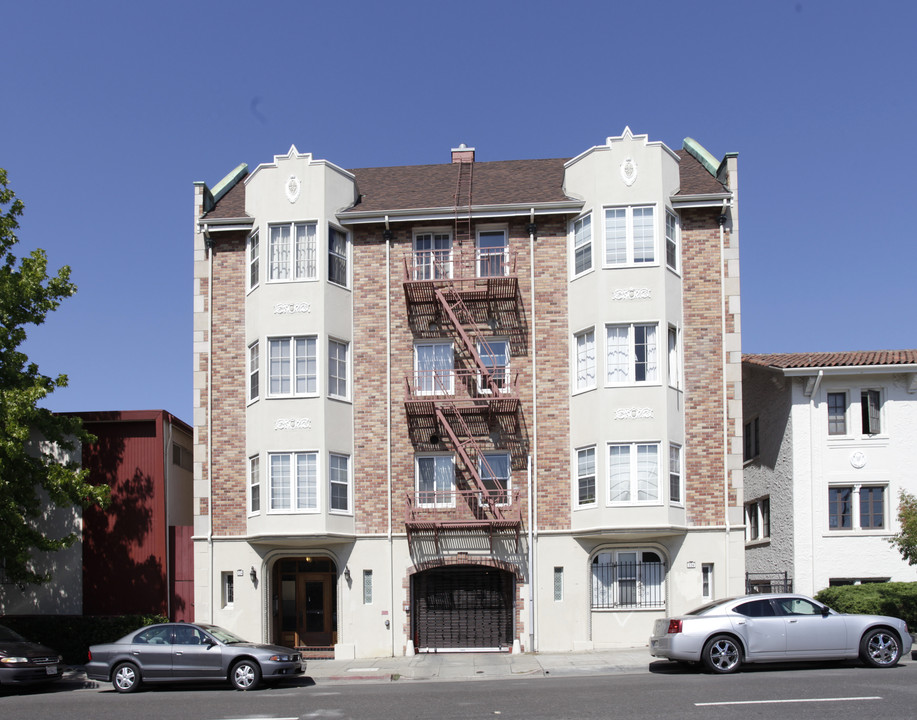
pixel 898 599
pixel 71 635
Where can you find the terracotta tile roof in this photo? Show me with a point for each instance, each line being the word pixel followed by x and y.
pixel 833 359
pixel 695 180
pixel 503 182
pixel 231 205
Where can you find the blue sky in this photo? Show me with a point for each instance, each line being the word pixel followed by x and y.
pixel 111 110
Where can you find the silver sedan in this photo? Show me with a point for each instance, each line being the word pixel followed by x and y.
pixel 184 652
pixel 777 628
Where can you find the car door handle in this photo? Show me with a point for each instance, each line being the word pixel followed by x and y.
pixel 740 622
pixel 792 621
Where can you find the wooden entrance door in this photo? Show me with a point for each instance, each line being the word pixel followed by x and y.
pixel 315 609
pixel 306 602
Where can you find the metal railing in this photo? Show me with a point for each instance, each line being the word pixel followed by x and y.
pixel 459 507
pixel 767 582
pixel 434 265
pixel 623 584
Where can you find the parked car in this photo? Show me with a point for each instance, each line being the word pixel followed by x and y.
pixel 23 662
pixel 725 634
pixel 172 652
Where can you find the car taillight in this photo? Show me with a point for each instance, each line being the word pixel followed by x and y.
pixel 674 627
pixel 90 656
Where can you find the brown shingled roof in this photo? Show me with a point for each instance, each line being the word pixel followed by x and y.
pixel 503 182
pixel 833 359
pixel 232 204
pixel 695 180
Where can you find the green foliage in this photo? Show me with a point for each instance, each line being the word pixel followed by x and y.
pixel 71 635
pixel 31 475
pixel 905 541
pixel 897 599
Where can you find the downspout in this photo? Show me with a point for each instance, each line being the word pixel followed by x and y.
pixel 722 224
pixel 813 406
pixel 209 245
pixel 387 235
pixel 533 458
pixel 167 471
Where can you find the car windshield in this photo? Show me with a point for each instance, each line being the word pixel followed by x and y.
pixel 703 609
pixel 224 636
pixel 7 635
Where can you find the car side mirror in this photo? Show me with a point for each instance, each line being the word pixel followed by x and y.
pixel 825 611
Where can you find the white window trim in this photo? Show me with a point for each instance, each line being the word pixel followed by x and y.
pixel 253 251
pixel 450 262
pixel 349 509
pixel 681 474
pixel 575 362
pixel 674 364
pixel 855 527
pixel 347 369
pixel 629 236
pixel 294 509
pixel 677 241
pixel 574 247
pixel 418 379
pixel 227 588
pixel 251 485
pixel 292 250
pixel 632 355
pixel 482 346
pixel 417 489
pixel 509 472
pixel 254 373
pixel 292 377
pixel 707 576
pixel 577 505
pixel 347 256
pixel 477 248
pixel 755 510
pixel 633 475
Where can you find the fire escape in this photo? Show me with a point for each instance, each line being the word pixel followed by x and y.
pixel 470 404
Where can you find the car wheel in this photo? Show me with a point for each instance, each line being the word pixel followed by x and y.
pixel 880 648
pixel 126 678
pixel 245 675
pixel 722 654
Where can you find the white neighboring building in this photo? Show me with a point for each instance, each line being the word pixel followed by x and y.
pixel 830 442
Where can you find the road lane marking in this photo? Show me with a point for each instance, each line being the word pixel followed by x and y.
pixel 789 700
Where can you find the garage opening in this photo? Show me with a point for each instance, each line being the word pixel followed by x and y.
pixel 463 608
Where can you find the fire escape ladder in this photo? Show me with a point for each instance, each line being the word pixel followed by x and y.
pixel 462 201
pixel 487 499
pixel 449 306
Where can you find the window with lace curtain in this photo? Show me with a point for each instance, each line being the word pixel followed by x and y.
pixel 632 354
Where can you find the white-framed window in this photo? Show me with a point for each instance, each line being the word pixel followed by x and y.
pixel 751 440
pixel 254 260
pixel 339 482
pixel 671 241
pixel 582 245
pixel 434 368
pixel 337 256
pixel 706 579
pixel 630 236
pixel 676 482
pixel 558 584
pixel 293 481
pixel 870 411
pixel 837 413
pixel 432 254
pixel 758 520
pixel 628 578
pixel 633 473
pixel 367 587
pixel 495 356
pixel 674 365
pixel 495 471
pixel 435 480
pixel 857 507
pixel 337 369
pixel 254 374
pixel 585 476
pixel 584 360
pixel 292 251
pixel 631 354
pixel 254 485
pixel 293 366
pixel 228 592
pixel 493 253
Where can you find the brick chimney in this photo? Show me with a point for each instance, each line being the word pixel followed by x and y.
pixel 462 154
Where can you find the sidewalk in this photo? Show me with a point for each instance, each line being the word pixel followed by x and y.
pixel 451 666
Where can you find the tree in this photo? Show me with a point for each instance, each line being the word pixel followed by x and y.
pixel 905 540
pixel 31 475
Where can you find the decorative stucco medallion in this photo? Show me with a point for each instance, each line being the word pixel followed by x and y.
pixel 293 424
pixel 629 171
pixel 293 188
pixel 634 414
pixel 631 294
pixel 858 459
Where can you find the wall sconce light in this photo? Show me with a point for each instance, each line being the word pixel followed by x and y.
pixel 347 573
pixel 253 575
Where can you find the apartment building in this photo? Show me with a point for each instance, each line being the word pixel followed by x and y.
pixel 471 405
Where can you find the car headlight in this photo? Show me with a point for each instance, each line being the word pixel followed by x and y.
pixel 281 658
pixel 13 660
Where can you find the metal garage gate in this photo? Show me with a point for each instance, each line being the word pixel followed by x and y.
pixel 463 608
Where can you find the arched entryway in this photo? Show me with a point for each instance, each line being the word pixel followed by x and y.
pixel 463 607
pixel 305 602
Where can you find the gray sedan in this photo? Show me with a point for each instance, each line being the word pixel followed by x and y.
pixel 777 628
pixel 184 652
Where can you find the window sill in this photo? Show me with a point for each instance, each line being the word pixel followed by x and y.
pixel 760 542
